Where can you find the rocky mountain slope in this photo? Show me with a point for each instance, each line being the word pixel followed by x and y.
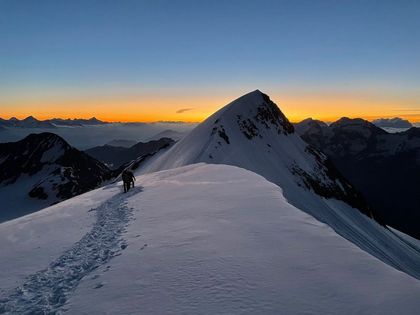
pixel 43 169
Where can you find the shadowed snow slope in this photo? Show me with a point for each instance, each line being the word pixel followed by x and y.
pixel 252 133
pixel 201 239
pixel 43 169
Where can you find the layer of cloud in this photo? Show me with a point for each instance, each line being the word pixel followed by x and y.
pixel 183 110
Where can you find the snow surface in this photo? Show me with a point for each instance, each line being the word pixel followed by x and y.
pixel 201 239
pixel 15 200
pixel 274 156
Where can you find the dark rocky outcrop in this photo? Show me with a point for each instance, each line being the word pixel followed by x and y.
pixel 384 167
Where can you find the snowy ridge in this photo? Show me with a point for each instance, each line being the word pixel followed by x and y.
pixel 252 133
pixel 206 239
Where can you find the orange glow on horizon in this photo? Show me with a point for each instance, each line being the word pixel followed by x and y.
pixel 198 108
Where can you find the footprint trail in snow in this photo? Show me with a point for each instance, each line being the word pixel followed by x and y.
pixel 45 291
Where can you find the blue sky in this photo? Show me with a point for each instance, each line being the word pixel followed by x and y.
pixel 56 50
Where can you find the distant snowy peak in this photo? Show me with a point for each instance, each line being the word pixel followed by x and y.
pixel 392 123
pixel 310 125
pixel 357 125
pixel 30 119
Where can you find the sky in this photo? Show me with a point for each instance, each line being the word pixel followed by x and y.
pixel 182 60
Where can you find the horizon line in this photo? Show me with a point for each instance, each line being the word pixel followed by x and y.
pixel 369 118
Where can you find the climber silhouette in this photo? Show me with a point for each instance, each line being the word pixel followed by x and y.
pixel 128 180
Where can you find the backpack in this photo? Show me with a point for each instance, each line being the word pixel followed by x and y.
pixel 125 176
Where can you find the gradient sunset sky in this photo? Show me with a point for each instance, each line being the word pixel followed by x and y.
pixel 182 60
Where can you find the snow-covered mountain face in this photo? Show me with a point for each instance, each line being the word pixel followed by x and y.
pixel 252 133
pixel 385 167
pixel 43 169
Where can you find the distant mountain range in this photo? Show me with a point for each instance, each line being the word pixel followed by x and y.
pixel 114 156
pixel 32 122
pixel 384 166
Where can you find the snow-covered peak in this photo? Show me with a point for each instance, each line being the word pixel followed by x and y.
pixel 95 120
pixel 310 125
pixel 247 101
pixel 251 132
pixel 30 119
pixel 357 126
pixel 252 112
pixel 307 177
pixel 345 122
